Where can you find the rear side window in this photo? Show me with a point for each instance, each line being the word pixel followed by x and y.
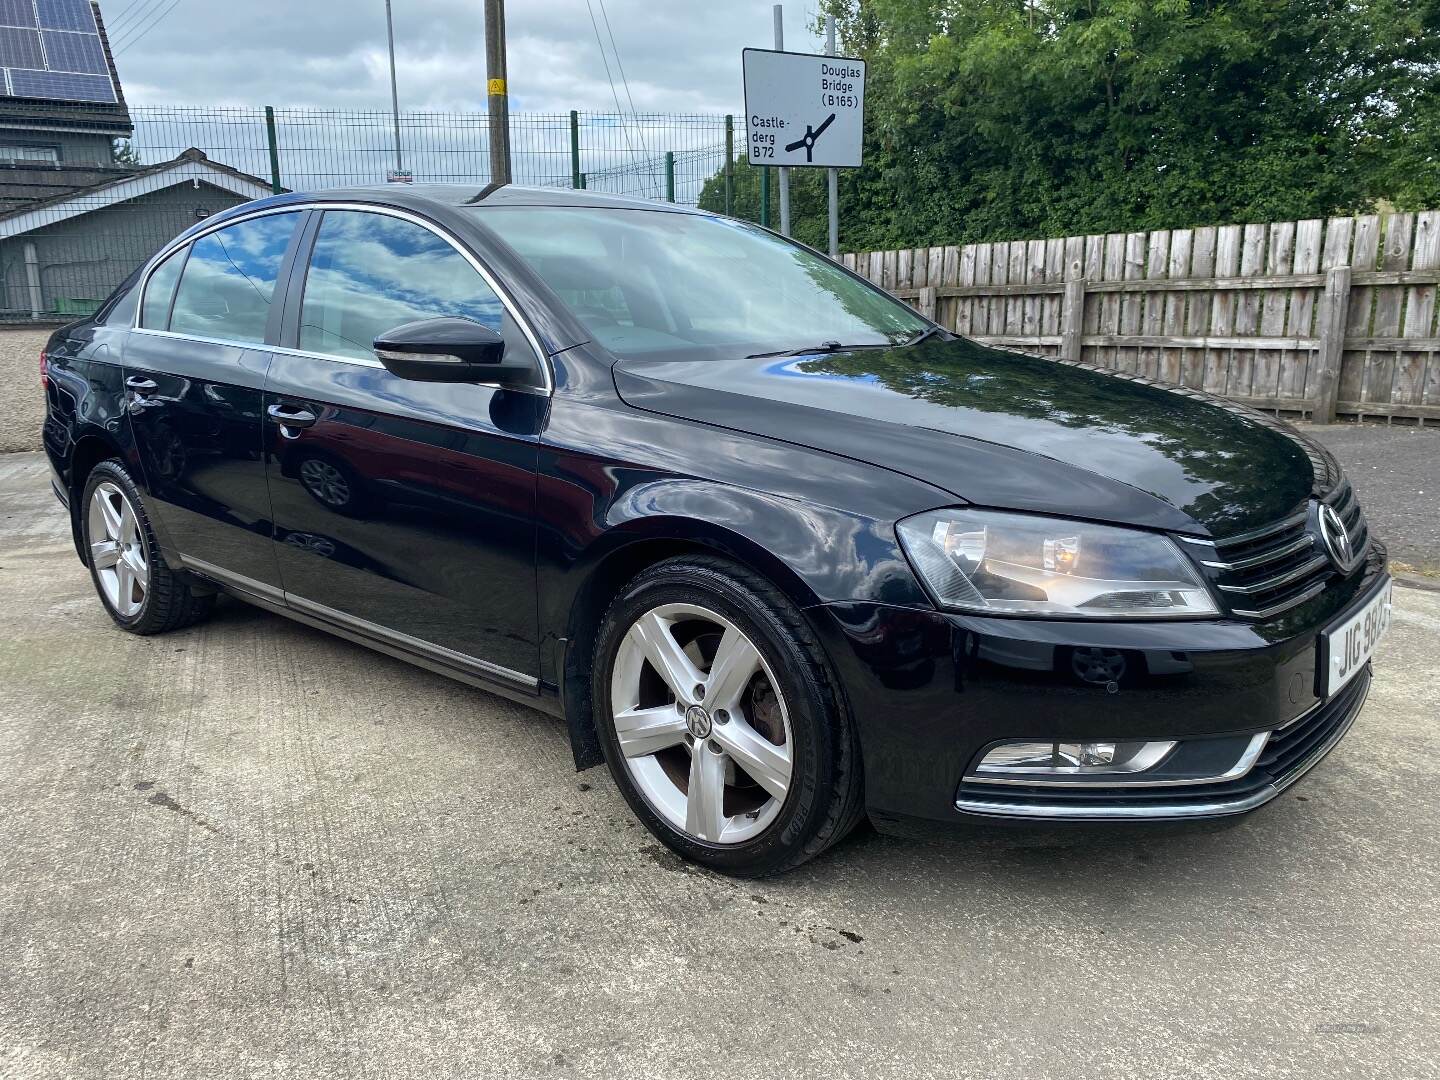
pixel 229 280
pixel 155 312
pixel 370 273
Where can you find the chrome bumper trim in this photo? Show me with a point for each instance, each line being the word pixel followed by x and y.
pixel 1243 765
pixel 1162 811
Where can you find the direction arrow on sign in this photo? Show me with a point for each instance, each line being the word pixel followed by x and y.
pixel 803 110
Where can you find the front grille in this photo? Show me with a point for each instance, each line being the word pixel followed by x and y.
pixel 1267 571
pixel 1290 751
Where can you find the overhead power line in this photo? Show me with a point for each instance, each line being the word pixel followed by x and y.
pixel 140 34
pixel 120 16
pixel 134 14
pixel 639 129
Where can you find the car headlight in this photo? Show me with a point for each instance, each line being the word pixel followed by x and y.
pixel 1027 564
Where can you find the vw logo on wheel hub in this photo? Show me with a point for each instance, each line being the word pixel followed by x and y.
pixel 1337 540
pixel 697 722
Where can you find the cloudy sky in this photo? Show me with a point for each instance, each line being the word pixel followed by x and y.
pixel 678 55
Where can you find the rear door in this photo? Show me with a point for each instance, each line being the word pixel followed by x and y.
pixel 403 510
pixel 194 375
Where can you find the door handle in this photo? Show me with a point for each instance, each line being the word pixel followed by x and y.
pixel 138 384
pixel 288 416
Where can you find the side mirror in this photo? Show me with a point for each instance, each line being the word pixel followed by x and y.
pixel 449 350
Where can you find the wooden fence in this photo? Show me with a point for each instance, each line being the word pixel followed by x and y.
pixel 1316 317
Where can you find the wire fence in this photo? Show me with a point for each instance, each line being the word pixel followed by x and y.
pixel 87 194
pixel 317 149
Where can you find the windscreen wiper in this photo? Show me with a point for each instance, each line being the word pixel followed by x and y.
pixel 805 350
pixel 835 346
pixel 924 335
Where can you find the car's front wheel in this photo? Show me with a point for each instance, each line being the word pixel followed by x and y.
pixel 140 592
pixel 720 719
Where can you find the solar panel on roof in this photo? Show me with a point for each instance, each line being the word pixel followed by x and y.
pixel 61 86
pixel 62 61
pixel 17 13
pixel 73 52
pixel 66 15
pixel 20 48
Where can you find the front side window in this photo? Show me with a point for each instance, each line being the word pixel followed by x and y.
pixel 229 280
pixel 155 312
pixel 665 285
pixel 370 273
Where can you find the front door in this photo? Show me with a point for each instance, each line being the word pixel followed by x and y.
pixel 194 375
pixel 403 510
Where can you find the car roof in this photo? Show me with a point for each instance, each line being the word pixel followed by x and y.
pixel 461 195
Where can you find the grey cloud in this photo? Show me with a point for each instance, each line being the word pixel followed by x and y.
pixel 679 57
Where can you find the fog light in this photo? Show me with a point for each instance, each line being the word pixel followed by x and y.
pixel 1033 761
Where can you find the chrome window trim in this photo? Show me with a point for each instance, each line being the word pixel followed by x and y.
pixel 175 245
pixel 506 299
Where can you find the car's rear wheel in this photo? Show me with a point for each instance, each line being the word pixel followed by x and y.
pixel 720 719
pixel 139 591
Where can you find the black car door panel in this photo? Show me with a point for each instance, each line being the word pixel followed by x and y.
pixel 406 505
pixel 195 374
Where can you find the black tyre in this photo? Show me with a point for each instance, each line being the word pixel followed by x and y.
pixel 721 721
pixel 140 592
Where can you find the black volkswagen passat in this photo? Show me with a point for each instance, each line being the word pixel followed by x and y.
pixel 780 551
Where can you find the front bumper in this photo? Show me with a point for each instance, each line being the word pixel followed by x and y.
pixel 930 691
pixel 1288 754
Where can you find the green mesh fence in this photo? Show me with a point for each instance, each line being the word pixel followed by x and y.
pixel 88 193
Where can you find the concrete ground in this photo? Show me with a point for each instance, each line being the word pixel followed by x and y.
pixel 251 849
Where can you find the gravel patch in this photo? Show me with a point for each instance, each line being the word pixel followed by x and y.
pixel 22 402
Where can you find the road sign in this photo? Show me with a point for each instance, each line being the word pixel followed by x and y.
pixel 803 110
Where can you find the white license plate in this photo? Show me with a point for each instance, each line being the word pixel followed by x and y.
pixel 1351 643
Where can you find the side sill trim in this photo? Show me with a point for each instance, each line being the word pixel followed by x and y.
pixel 392 640
pixel 239 582
pixel 413 644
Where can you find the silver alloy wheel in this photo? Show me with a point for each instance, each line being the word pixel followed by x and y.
pixel 117 549
pixel 698 713
pixel 326 483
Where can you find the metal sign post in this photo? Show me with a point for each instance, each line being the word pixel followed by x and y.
pixel 779 12
pixel 832 176
pixel 394 87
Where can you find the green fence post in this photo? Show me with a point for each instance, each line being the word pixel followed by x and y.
pixel 575 149
pixel 765 196
pixel 275 185
pixel 582 181
pixel 669 175
pixel 729 165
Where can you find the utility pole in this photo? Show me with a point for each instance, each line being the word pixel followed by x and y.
pixel 784 172
pixel 394 88
pixel 832 176
pixel 498 101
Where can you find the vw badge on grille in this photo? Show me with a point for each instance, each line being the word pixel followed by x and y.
pixel 1337 540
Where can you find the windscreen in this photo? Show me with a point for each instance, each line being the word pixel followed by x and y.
pixel 661 285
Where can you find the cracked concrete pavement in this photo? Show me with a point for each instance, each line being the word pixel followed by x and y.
pixel 253 849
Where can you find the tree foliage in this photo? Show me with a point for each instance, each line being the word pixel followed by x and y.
pixel 997 119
